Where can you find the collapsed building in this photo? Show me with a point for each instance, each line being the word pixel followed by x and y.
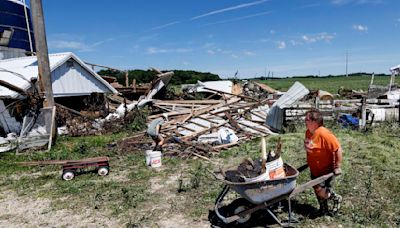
pixel 73 83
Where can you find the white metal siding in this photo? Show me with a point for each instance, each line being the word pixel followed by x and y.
pixel 75 80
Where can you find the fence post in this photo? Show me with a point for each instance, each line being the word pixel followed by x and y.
pixel 363 113
pixel 398 101
pixel 317 102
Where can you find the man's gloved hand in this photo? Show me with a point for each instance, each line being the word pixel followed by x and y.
pixel 337 171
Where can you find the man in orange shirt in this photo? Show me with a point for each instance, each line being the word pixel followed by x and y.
pixel 324 156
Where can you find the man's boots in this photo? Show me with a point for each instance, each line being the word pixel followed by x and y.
pixel 337 200
pixel 323 207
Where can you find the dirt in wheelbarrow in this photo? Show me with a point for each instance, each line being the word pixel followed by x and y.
pixel 246 169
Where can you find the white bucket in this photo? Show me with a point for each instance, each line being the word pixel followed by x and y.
pixel 153 158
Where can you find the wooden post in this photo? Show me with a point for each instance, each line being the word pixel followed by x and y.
pixel 399 110
pixel 363 113
pixel 126 79
pixel 44 73
pixel 317 102
pixel 42 52
pixel 372 78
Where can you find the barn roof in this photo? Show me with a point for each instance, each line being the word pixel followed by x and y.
pixel 19 72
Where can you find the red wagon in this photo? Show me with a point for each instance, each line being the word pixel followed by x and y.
pixel 72 167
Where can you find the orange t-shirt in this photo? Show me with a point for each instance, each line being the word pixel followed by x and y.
pixel 321 148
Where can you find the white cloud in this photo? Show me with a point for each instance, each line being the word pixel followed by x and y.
pixel 281 44
pixel 63 44
pixel 67 42
pixel 340 2
pixel 238 18
pixel 360 28
pixel 360 2
pixel 164 26
pixel 234 56
pixel 211 52
pixel 295 43
pixel 249 53
pixel 208 45
pixel 312 38
pixel 229 9
pixel 154 50
pixel 182 50
pixel 272 32
pixel 309 6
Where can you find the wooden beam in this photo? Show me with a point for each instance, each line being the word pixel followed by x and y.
pixel 255 128
pixel 187 137
pixel 232 121
pixel 241 96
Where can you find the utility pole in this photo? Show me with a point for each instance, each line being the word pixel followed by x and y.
pixel 347 61
pixel 44 74
pixel 265 74
pixel 42 54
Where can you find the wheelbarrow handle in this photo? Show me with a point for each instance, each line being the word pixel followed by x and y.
pixel 310 184
pixel 302 168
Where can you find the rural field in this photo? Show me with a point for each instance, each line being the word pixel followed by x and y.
pixel 182 192
pixel 331 84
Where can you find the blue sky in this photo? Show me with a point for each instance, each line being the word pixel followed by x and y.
pixel 253 37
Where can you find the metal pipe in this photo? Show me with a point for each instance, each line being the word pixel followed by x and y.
pixel 28 27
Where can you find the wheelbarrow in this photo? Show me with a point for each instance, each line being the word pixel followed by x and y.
pixel 263 194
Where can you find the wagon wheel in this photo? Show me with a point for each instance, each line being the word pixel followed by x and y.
pixel 68 175
pixel 103 170
pixel 238 206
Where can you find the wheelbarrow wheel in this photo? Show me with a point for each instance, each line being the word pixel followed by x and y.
pixel 238 206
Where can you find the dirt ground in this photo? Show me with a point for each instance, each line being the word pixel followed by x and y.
pixel 24 211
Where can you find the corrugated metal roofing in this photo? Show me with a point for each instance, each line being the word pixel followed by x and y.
pixel 19 71
pixel 395 68
pixel 275 115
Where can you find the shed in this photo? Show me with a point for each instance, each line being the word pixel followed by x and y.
pixel 70 76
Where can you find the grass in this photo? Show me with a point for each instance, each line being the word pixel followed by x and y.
pixel 370 183
pixel 330 84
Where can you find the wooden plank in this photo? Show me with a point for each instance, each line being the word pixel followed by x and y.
pixel 198 124
pixel 206 119
pixel 247 106
pixel 232 121
pixel 63 162
pixel 183 126
pixel 255 128
pixel 258 115
pixel 222 92
pixel 70 110
pixel 203 131
pixel 209 109
pixel 189 102
pixel 52 127
pixel 197 113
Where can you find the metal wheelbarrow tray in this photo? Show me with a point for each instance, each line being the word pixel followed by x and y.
pixel 264 193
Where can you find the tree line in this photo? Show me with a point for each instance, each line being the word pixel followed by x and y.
pixel 146 76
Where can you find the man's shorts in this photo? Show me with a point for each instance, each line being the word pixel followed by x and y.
pixel 328 183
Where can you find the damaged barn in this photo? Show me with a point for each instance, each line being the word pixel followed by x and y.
pixel 19 92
